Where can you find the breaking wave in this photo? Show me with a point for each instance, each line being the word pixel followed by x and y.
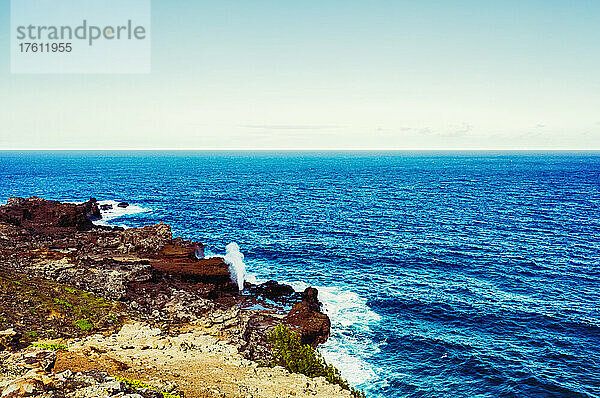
pixel 350 345
pixel 113 216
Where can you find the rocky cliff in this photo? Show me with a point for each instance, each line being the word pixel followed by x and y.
pixel 62 276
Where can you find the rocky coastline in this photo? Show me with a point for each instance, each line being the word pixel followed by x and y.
pixel 137 302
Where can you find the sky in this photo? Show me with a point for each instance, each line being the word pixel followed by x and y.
pixel 329 74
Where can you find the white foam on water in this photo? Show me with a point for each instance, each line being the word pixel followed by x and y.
pixel 254 279
pixel 351 318
pixel 117 212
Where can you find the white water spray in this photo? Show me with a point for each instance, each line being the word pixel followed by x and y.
pixel 237 268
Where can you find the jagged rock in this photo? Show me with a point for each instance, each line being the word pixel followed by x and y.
pixel 92 212
pixel 254 343
pixel 15 201
pixel 123 205
pixel 105 207
pixel 31 367
pixel 311 296
pixel 68 380
pixel 151 238
pixel 275 291
pixel 144 393
pixel 45 216
pixel 209 270
pixel 312 326
pixel 8 231
pixel 68 384
pixel 35 358
pixel 9 339
pixel 110 279
pixel 186 307
pixel 160 279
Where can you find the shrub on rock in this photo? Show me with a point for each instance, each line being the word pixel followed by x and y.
pixel 296 357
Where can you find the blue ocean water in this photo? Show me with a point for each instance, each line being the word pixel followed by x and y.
pixel 445 274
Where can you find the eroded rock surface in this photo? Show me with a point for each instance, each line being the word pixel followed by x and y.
pixel 153 276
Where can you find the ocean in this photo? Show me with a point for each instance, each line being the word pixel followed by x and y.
pixel 445 274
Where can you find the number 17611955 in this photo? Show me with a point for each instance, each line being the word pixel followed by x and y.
pixel 45 47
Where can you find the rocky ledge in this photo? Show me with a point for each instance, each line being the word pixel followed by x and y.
pixel 62 277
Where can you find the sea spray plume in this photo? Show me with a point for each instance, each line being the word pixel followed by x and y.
pixel 237 268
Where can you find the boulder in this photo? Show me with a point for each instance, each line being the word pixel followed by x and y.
pixel 92 211
pixel 305 318
pixel 311 296
pixel 276 291
pixel 34 358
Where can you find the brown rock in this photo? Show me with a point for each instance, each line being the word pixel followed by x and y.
pixel 46 216
pixel 8 231
pixel 35 358
pixel 9 339
pixel 273 290
pixel 210 270
pixel 312 326
pixel 156 277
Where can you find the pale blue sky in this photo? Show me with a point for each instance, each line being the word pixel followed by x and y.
pixel 330 74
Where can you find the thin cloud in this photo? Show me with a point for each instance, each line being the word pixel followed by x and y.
pixel 289 127
pixel 452 131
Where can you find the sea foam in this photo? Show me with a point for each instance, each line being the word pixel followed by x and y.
pixel 117 212
pixel 351 318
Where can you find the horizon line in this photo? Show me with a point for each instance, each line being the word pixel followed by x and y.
pixel 307 149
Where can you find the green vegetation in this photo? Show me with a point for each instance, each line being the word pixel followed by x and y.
pixel 51 346
pixel 84 324
pixel 135 384
pixel 53 309
pixel 290 353
pixel 63 302
pixel 85 310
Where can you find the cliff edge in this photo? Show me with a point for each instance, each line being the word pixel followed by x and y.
pixel 66 282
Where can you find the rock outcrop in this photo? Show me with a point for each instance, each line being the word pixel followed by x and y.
pixel 49 217
pixel 311 325
pixel 144 271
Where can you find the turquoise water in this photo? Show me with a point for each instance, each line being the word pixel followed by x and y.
pixel 445 274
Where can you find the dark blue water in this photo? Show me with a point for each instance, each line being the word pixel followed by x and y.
pixel 445 274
